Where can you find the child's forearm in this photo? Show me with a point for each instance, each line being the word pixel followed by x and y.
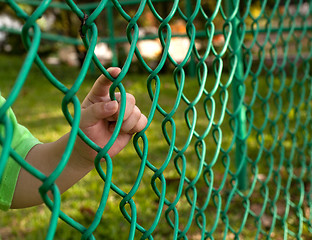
pixel 45 157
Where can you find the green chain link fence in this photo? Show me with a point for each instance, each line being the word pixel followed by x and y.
pixel 243 161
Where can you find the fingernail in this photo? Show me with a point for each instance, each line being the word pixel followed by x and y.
pixel 110 106
pixel 114 71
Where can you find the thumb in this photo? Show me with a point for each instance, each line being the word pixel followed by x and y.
pixel 96 112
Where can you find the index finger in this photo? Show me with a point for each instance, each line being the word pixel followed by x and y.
pixel 100 90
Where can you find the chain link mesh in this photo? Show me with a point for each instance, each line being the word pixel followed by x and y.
pixel 244 158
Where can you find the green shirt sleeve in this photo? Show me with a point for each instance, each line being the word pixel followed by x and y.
pixel 22 142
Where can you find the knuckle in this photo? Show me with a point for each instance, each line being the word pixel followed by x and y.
pixel 144 121
pixel 137 112
pixel 130 98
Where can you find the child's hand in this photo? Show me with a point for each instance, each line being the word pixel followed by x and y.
pixel 99 115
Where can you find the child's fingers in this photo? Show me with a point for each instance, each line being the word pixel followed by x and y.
pixel 100 90
pixel 132 120
pixel 102 84
pixel 96 112
pixel 130 104
pixel 135 123
pixel 140 125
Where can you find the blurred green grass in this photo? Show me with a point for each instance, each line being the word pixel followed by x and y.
pixel 38 108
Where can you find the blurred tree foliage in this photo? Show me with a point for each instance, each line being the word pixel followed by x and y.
pixel 66 23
